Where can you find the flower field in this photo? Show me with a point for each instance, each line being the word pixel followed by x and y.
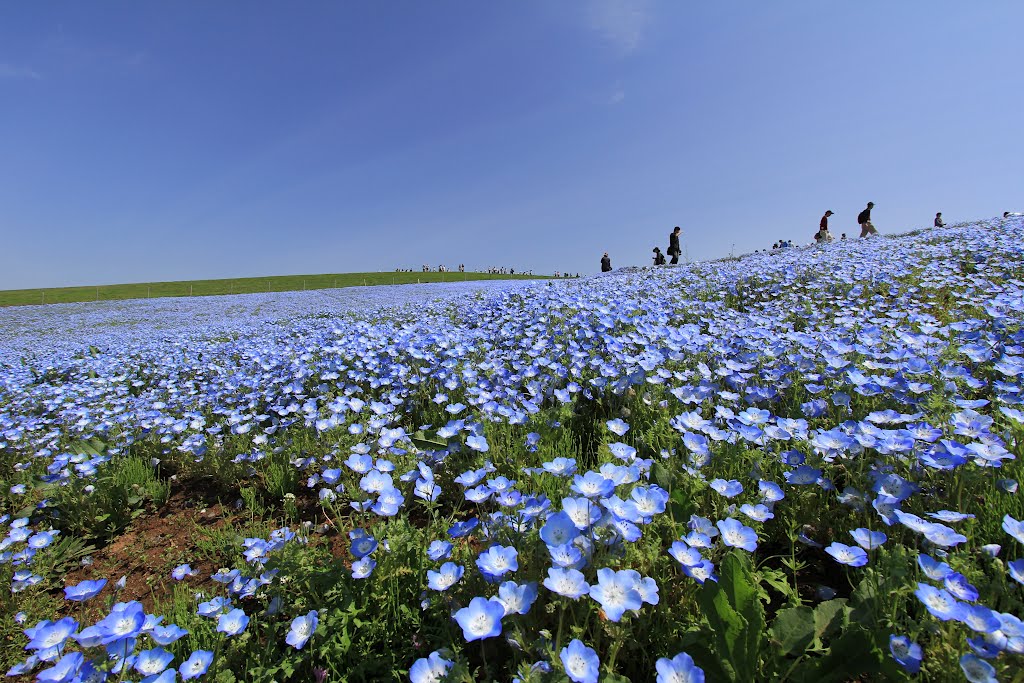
pixel 799 465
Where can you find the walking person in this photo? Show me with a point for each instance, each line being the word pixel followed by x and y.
pixel 606 263
pixel 864 218
pixel 939 223
pixel 659 258
pixel 673 245
pixel 823 235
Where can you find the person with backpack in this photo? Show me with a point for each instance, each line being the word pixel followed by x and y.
pixel 659 258
pixel 864 218
pixel 606 263
pixel 673 245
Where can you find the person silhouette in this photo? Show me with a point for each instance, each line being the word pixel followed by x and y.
pixel 673 245
pixel 606 263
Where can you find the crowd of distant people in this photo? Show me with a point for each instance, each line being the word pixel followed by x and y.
pixel 822 236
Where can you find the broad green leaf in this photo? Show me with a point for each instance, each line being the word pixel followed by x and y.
pixel 830 617
pixel 793 630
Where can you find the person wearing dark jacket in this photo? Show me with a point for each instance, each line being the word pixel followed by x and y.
pixel 659 258
pixel 606 263
pixel 864 218
pixel 939 223
pixel 673 245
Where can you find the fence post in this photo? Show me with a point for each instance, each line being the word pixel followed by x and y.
pixel 190 290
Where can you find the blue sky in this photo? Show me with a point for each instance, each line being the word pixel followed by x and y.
pixel 160 141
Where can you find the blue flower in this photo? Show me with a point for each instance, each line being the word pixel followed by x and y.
pixel 907 653
pixel 153 662
pixel 430 669
pixel 1014 528
pixel 569 583
pixel 932 568
pixel 977 670
pixel 737 535
pixel 558 529
pixel 124 621
pixel 232 623
pixel 679 669
pixel 581 662
pixel 64 670
pixel 939 602
pixel 616 592
pixel 867 539
pixel 165 635
pixel 181 571
pixel 196 665
pixel 517 599
pixel 50 636
pixel 481 619
pixel 848 555
pixel 477 443
pixel 363 568
pixel 727 488
pixel 1016 569
pixel 447 576
pixel 302 629
pixel 439 550
pixel 497 561
pixel 617 427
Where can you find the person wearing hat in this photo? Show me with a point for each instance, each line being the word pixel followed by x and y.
pixel 823 235
pixel 606 263
pixel 864 218
pixel 659 258
pixel 939 223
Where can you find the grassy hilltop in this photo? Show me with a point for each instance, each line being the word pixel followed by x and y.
pixel 238 285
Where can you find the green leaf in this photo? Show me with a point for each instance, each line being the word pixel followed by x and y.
pixel 428 441
pixel 662 476
pixel 793 630
pixel 851 657
pixel 734 613
pixel 829 617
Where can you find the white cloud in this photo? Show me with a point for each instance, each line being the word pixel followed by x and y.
pixel 11 72
pixel 622 23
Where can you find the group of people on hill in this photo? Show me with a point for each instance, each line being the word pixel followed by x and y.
pixel 674 251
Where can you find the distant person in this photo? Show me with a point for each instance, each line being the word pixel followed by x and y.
pixel 823 225
pixel 843 236
pixel 659 258
pixel 939 223
pixel 673 245
pixel 864 218
pixel 606 263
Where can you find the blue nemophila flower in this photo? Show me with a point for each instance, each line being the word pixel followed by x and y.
pixel 362 544
pixel 867 539
pixel 705 571
pixel 957 584
pixel 617 427
pixel 592 485
pixel 567 555
pixel 1016 569
pixel 616 592
pixel 943 536
pixel 770 491
pixel 848 555
pixel 165 635
pixel 517 599
pixel 649 500
pixel 50 636
pixel 84 590
pixel 802 475
pixel 363 568
pixel 477 443
pixel 196 665
pixel 439 550
pixel 1014 527
pixel 460 529
pixel 560 467
pixel 153 662
pixel 583 512
pixel 302 629
pixel 64 671
pixel 939 602
pixel 481 619
pixel 233 622
pixel 214 606
pixel 980 618
pixel 679 669
pixel 949 516
pixel 181 571
pixel 125 620
pixel 685 555
pixel 497 561
pixel 932 568
pixel 737 535
pixel 566 582
pixel 580 662
pixel 758 513
pixel 445 577
pixel 622 451
pixel 906 652
pixel 430 669
pixel 977 670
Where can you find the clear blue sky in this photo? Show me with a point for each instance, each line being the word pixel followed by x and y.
pixel 179 140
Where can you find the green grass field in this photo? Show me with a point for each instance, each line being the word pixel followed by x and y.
pixel 243 285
